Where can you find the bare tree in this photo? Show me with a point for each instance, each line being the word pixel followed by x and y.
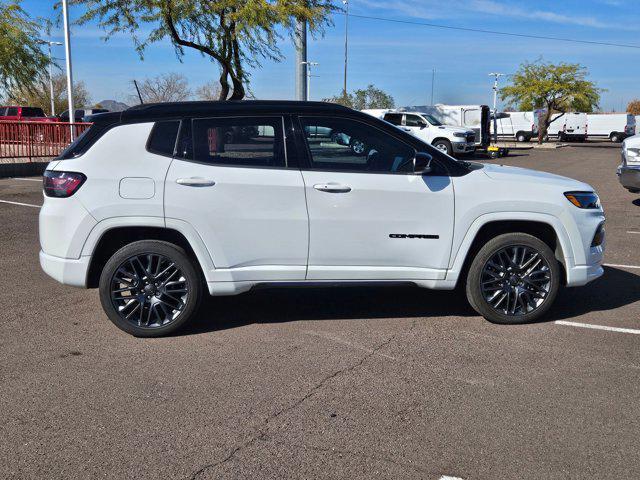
pixel 208 91
pixel 168 87
pixel 37 93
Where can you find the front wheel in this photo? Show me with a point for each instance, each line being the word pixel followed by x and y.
pixel 150 288
pixel 616 138
pixel 443 146
pixel 514 278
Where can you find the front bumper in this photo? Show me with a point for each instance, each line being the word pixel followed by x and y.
pixel 69 271
pixel 463 147
pixel 629 177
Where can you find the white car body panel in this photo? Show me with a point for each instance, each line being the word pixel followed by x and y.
pixel 603 125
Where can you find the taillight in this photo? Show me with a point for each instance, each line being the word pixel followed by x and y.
pixel 61 184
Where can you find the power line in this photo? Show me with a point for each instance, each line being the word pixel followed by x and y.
pixel 493 32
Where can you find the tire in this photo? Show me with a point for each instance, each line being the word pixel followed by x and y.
pixel 135 289
pixel 444 146
pixel 615 137
pixel 521 137
pixel 532 296
pixel 358 147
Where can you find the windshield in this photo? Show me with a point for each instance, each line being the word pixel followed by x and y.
pixel 432 120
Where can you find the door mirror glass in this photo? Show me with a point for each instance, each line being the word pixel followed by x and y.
pixel 422 163
pixel 423 125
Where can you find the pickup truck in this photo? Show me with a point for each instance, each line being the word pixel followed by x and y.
pixel 24 114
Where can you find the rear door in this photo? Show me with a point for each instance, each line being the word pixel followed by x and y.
pixel 233 182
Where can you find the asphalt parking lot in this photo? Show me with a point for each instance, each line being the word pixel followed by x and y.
pixel 319 383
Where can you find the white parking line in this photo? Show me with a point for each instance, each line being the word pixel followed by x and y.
pixel 39 180
pixel 598 327
pixel 22 204
pixel 621 266
pixel 637 233
pixel 447 477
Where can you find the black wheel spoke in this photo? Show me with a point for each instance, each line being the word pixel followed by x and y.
pixel 515 280
pixel 149 290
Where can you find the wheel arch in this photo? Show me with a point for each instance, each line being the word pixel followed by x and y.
pixel 483 231
pixel 113 238
pixel 439 139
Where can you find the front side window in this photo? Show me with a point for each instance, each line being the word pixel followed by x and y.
pixel 414 121
pixel 32 112
pixel 241 142
pixel 355 146
pixel 12 112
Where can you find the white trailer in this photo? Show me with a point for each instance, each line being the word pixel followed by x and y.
pixel 614 126
pixel 515 125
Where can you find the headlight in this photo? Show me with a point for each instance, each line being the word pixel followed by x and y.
pixel 459 134
pixel 583 199
pixel 632 155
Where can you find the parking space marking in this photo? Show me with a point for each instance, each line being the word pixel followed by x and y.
pixel 447 477
pixel 637 233
pixel 621 266
pixel 21 204
pixel 39 180
pixel 633 331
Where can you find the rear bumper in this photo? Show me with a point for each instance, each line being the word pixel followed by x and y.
pixel 69 271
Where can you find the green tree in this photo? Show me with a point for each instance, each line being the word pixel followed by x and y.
pixel 634 107
pixel 21 60
pixel 370 97
pixel 38 94
pixel 235 34
pixel 555 88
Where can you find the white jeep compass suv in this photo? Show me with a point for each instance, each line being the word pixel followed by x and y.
pixel 160 203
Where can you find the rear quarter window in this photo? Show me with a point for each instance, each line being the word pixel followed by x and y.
pixel 162 139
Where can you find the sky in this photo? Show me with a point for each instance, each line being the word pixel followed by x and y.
pixel 396 57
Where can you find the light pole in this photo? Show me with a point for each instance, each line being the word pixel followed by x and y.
pixel 301 59
pixel 495 76
pixel 49 43
pixel 346 44
pixel 67 51
pixel 309 65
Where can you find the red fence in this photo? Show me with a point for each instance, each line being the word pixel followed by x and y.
pixel 28 140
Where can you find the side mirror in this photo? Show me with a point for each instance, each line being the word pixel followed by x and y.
pixel 422 163
pixel 423 126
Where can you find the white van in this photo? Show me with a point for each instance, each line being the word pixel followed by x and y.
pixel 614 126
pixel 570 126
pixel 515 125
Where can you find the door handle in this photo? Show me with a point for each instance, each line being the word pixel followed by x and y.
pixel 332 188
pixel 195 182
pixel 406 129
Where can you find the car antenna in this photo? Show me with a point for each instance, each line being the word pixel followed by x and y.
pixel 138 90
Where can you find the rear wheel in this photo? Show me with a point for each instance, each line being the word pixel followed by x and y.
pixel 522 137
pixel 443 146
pixel 150 288
pixel 514 278
pixel 616 137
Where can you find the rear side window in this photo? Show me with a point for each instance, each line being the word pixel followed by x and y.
pixel 32 112
pixel 162 139
pixel 12 112
pixel 240 142
pixel 394 118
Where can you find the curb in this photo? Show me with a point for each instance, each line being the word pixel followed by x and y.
pixel 30 169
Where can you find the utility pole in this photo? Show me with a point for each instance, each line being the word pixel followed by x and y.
pixel 49 43
pixel 433 80
pixel 346 45
pixel 301 60
pixel 67 51
pixel 309 65
pixel 495 76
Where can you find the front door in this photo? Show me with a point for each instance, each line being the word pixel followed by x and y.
pixel 370 217
pixel 231 182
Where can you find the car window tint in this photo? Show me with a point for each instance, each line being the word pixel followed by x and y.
pixel 394 118
pixel 163 138
pixel 414 121
pixel 346 144
pixel 242 142
pixel 12 111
